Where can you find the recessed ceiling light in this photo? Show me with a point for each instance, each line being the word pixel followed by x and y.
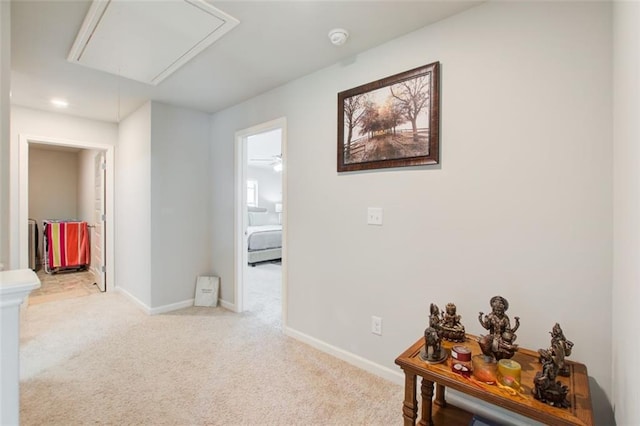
pixel 60 103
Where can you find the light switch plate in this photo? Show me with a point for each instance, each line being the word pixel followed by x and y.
pixel 374 216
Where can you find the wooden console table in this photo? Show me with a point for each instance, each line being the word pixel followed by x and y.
pixel 523 403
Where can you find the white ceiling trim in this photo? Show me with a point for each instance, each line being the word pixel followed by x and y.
pixel 141 41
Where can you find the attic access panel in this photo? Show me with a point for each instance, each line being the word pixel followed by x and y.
pixel 147 40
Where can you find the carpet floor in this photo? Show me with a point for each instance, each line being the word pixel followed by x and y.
pixel 100 360
pixel 264 293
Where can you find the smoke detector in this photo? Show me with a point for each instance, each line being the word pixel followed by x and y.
pixel 338 36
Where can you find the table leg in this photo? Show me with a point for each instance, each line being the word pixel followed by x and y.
pixel 410 405
pixel 427 395
pixel 440 401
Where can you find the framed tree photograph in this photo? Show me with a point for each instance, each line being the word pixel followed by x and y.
pixel 392 122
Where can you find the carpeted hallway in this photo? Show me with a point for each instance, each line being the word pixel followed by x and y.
pixel 100 360
pixel 264 292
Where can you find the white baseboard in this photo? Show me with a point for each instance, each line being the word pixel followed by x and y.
pixel 228 305
pixel 171 307
pixel 353 359
pixel 145 308
pixel 157 310
pixel 470 404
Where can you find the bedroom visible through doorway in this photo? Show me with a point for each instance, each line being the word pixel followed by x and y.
pixel 260 209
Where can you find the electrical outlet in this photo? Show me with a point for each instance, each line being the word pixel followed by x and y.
pixel 374 216
pixel 376 325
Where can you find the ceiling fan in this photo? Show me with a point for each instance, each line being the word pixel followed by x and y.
pixel 274 161
pixel 270 161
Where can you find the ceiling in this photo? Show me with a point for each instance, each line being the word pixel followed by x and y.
pixel 274 43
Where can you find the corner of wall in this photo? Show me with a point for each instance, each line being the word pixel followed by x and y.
pixel 5 136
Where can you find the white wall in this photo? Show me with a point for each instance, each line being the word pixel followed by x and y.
pixel 53 187
pixel 133 205
pixel 53 184
pixel 520 204
pixel 626 204
pixel 180 202
pixel 5 88
pixel 163 205
pixel 26 121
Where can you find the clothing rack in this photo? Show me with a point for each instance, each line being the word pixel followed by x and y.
pixel 66 245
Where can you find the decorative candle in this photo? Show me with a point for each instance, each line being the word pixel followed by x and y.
pixel 509 373
pixel 484 368
pixel 461 353
pixel 461 360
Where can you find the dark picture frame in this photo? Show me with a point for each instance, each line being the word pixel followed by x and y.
pixel 392 122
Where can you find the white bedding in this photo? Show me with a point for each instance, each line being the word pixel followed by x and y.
pixel 264 237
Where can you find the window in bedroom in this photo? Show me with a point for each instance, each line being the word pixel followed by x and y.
pixel 252 192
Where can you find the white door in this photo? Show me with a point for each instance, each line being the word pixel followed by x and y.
pixel 97 249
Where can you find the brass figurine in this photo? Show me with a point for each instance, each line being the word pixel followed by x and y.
pixel 433 352
pixel 451 327
pixel 498 344
pixel 560 348
pixel 546 388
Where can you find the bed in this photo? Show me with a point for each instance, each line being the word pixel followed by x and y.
pixel 264 236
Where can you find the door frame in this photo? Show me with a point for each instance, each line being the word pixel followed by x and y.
pixel 241 219
pixel 23 196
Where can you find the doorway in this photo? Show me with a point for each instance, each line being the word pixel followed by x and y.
pixel 260 226
pixel 107 196
pixel 61 195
